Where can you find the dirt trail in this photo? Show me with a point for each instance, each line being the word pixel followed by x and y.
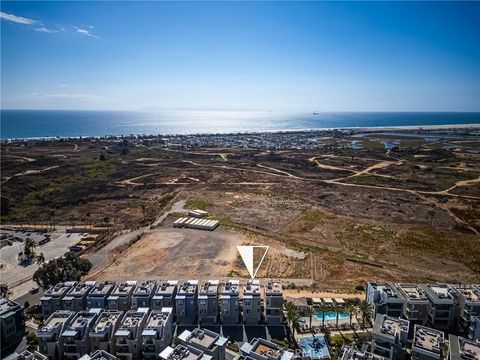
pixel 30 172
pixel 457 184
pixel 328 167
pixel 27 159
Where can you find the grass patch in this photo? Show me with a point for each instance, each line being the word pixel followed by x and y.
pixel 374 180
pixel 196 203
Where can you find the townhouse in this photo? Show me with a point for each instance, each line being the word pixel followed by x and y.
pixel 186 302
pixel 385 299
pixel 143 294
pixel 207 341
pixel 208 302
pixel 49 334
pixel 427 343
pixel 51 300
pixel 157 334
pixel 389 337
pixel 75 338
pixel 102 334
pixel 98 296
pixel 76 297
pixel 128 340
pixel 121 296
pixel 164 296
pixel 252 302
pixel 273 302
pixel 229 302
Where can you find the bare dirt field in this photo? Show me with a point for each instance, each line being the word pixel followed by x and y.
pixel 336 215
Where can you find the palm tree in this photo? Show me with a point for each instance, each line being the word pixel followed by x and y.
pixel 293 318
pixel 310 312
pixel 338 309
pixel 40 259
pixel 351 310
pixel 366 309
pixel 29 248
pixel 323 309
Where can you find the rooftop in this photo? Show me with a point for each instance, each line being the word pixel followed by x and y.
pixel 106 319
pixel 413 291
pixel 188 288
pixel 209 287
pixel 101 355
pixel 6 306
pixel 181 353
pixel 158 318
pixel 470 293
pixel 428 339
pixel 350 353
pixel 387 289
pixel 230 287
pixel 81 324
pixel 59 289
pixel 203 337
pixel 124 288
pixel 167 288
pixel 439 292
pixel 57 321
pixel 267 349
pixel 390 326
pixel 81 288
pixel 252 287
pixel 103 288
pixel 273 288
pixel 145 287
pixel 131 322
pixel 465 348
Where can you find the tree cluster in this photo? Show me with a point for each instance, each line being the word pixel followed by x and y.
pixel 67 268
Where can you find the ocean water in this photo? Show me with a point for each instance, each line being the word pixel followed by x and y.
pixel 16 124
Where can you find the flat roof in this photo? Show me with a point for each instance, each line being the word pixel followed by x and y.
pixel 145 287
pixel 7 306
pixel 230 287
pixel 389 326
pixel 203 337
pixel 167 288
pixel 106 319
pixel 56 321
pixel 428 339
pixel 439 293
pixel 273 288
pixel 412 291
pixel 81 324
pixel 158 318
pixel 124 288
pixel 102 288
pixel 59 289
pixel 188 288
pixel 252 287
pixel 209 287
pixel 461 348
pixel 387 289
pixel 471 294
pixel 81 288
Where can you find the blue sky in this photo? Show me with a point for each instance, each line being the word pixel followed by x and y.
pixel 312 56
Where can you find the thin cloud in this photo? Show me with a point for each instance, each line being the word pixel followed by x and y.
pixel 45 30
pixel 85 32
pixel 18 19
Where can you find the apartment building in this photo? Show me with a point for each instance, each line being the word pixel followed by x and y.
pixel 102 334
pixel 12 325
pixel 164 296
pixel 181 352
pixel 460 348
pixel 441 313
pixel 273 302
pixel 229 302
pixel 51 300
pixel 143 294
pixel 128 339
pixel 208 302
pixel 385 299
pixel 416 305
pixel 186 302
pixel 99 355
pixel 474 328
pixel 207 341
pixel 121 296
pixel 49 334
pixel 98 297
pixel 427 343
pixel 75 338
pixel 76 297
pixel 252 302
pixel 261 349
pixel 467 299
pixel 389 337
pixel 158 332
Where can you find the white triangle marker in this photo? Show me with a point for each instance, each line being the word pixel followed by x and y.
pixel 246 252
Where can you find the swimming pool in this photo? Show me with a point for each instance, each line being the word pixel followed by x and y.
pixel 314 347
pixel 331 315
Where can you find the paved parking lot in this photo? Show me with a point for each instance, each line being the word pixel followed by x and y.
pixel 14 273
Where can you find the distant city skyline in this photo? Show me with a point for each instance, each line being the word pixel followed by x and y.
pixel 279 56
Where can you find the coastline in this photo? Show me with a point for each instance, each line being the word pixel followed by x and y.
pixel 370 129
